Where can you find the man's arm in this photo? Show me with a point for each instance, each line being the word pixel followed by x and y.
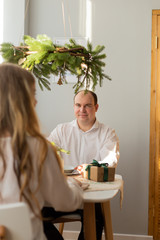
pixel 55 136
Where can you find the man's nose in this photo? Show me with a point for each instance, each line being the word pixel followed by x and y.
pixel 82 109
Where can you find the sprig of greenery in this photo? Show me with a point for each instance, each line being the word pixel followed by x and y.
pixel 60 149
pixel 44 58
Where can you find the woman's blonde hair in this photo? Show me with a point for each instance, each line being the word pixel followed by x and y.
pixel 18 118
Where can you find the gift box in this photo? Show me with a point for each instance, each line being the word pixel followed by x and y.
pixel 99 172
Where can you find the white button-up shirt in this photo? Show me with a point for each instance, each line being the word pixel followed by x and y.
pixel 100 143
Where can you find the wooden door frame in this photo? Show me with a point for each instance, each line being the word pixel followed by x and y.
pixel 154 165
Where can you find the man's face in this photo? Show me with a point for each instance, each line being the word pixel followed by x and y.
pixel 85 108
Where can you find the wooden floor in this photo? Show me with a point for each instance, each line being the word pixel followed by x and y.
pixel 68 235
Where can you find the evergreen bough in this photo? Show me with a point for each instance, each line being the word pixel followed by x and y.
pixel 43 58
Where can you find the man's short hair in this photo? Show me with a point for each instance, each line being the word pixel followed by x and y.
pixel 92 93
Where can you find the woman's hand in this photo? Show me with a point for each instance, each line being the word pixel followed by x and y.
pixel 77 181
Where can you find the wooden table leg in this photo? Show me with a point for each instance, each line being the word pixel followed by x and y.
pixel 89 221
pixel 107 220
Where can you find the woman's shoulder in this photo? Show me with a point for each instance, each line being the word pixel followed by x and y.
pixel 42 146
pixel 36 143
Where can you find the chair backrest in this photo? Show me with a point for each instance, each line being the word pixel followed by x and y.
pixel 15 218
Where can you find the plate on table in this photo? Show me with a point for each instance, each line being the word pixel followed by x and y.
pixel 68 169
pixel 74 173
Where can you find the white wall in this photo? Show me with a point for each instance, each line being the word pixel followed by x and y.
pixel 124 27
pixel 13 18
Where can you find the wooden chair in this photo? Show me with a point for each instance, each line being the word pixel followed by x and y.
pixel 66 218
pixel 15 222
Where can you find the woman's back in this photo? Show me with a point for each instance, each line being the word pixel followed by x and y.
pixel 29 166
pixel 52 189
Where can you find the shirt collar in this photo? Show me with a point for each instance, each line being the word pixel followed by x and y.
pixel 95 125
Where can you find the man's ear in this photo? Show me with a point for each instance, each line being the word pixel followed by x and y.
pixel 96 106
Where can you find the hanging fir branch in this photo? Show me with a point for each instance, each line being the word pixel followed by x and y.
pixel 44 58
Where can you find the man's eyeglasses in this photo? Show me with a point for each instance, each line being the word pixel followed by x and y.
pixel 87 106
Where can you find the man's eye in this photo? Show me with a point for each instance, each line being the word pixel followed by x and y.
pixel 78 105
pixel 88 106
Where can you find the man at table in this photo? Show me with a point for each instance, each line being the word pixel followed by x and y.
pixel 87 139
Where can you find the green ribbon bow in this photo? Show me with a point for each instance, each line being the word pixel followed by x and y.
pixel 97 164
